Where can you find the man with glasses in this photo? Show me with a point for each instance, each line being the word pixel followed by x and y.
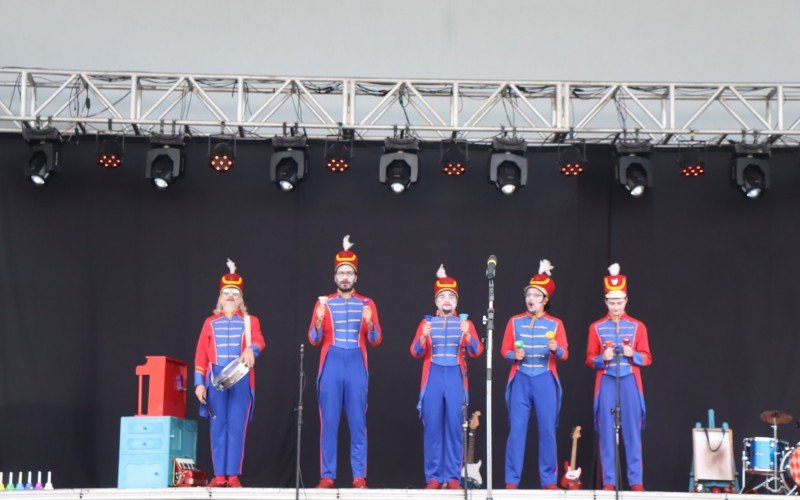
pixel 442 341
pixel 617 349
pixel 227 335
pixel 344 323
pixel 533 342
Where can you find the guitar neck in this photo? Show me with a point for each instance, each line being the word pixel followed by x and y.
pixel 574 453
pixel 471 446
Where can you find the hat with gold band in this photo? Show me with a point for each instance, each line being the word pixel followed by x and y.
pixel 444 282
pixel 346 256
pixel 542 280
pixel 615 284
pixel 231 279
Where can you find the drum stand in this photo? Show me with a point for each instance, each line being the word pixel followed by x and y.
pixel 772 483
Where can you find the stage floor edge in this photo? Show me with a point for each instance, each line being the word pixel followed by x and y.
pixel 351 494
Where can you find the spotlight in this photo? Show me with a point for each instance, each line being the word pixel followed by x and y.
pixel 399 164
pixel 573 160
pixel 692 159
pixel 454 156
pixel 634 168
pixel 750 171
pixel 221 156
pixel 165 161
pixel 339 151
pixel 109 154
pixel 43 162
pixel 288 165
pixel 508 166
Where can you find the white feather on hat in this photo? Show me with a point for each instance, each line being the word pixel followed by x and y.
pixel 545 267
pixel 346 242
pixel 613 269
pixel 441 273
pixel 231 266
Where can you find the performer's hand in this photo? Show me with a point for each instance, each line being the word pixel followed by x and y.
pixel 320 313
pixel 552 345
pixel 627 351
pixel 367 316
pixel 248 357
pixel 465 326
pixel 519 354
pixel 608 354
pixel 426 330
pixel 200 392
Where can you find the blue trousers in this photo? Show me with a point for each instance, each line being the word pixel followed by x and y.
pixel 231 409
pixel 631 420
pixel 541 394
pixel 343 384
pixel 441 413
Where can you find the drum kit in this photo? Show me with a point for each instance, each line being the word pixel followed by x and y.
pixel 772 459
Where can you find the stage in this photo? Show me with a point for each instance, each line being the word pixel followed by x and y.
pixel 349 494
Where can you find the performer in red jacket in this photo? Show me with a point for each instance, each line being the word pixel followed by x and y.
pixel 533 342
pixel 344 323
pixel 442 341
pixel 617 349
pixel 229 334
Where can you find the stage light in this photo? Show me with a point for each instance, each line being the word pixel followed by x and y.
pixel 572 160
pixel 399 163
pixel 288 165
pixel 45 149
pixel 109 154
pixel 454 156
pixel 692 158
pixel 508 166
pixel 221 156
pixel 750 170
pixel 165 160
pixel 634 168
pixel 339 151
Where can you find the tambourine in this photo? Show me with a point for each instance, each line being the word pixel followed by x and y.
pixel 232 373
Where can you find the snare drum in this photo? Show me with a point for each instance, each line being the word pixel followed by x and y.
pixel 232 373
pixel 763 454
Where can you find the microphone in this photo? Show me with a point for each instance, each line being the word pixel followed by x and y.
pixel 491 263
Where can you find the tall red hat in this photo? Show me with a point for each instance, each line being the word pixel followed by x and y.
pixel 542 280
pixel 615 284
pixel 444 282
pixel 346 256
pixel 231 279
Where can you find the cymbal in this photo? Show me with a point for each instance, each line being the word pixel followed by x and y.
pixel 776 417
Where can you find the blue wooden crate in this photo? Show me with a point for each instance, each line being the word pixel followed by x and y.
pixel 148 446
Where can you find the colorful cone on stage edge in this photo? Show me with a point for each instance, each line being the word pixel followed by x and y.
pixel 10 485
pixel 2 486
pixel 29 484
pixel 19 485
pixel 49 484
pixel 39 485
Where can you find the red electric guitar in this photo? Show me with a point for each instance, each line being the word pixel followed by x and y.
pixel 572 475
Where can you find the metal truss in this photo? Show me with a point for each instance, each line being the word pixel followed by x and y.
pixel 262 106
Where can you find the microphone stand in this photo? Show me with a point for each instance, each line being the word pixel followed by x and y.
pixel 464 427
pixel 617 416
pixel 300 386
pixel 488 320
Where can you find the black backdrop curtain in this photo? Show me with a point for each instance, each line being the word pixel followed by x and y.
pixel 98 270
